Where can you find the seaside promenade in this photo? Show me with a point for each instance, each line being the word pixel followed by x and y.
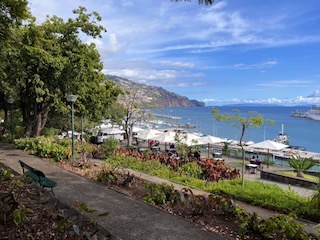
pixel 128 218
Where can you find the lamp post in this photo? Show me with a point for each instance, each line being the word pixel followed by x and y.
pixel 72 99
pixel 10 100
pixel 81 128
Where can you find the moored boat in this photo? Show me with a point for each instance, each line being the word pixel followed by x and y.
pixel 282 137
pixel 314 113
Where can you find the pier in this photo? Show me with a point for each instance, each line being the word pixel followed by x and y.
pixel 299 114
pixel 166 116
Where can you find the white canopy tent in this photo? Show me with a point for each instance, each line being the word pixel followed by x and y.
pixel 166 137
pixel 189 139
pixel 148 134
pixel 269 145
pixel 137 129
pixel 170 137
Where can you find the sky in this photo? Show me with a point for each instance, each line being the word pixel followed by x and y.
pixel 245 51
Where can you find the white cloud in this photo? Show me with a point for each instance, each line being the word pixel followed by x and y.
pixel 262 65
pixel 299 100
pixel 177 64
pixel 113 45
pixel 286 83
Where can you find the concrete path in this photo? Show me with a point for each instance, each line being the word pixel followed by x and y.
pixel 129 219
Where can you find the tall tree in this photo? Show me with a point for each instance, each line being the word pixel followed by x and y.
pixel 132 112
pixel 12 13
pixel 242 121
pixel 51 61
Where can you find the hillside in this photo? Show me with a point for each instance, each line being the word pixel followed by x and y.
pixel 155 96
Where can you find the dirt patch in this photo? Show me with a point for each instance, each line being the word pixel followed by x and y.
pixel 30 212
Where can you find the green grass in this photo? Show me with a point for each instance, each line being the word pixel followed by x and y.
pixel 294 174
pixel 255 192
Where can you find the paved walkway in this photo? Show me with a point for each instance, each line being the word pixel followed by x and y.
pixel 128 218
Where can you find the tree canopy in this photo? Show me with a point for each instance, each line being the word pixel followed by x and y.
pixel 242 121
pixel 50 61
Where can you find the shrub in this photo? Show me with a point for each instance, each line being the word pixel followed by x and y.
pixel 160 193
pixel 300 164
pixel 191 169
pixel 256 193
pixel 50 132
pixel 43 147
pixel 109 147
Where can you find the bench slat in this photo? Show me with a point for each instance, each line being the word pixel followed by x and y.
pixel 38 176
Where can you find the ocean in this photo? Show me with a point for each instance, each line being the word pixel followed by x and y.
pixel 301 132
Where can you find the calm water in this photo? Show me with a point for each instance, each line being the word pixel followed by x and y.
pixel 301 131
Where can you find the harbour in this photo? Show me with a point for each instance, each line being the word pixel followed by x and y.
pixel 302 132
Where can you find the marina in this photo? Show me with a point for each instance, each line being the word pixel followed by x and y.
pixel 300 137
pixel 302 132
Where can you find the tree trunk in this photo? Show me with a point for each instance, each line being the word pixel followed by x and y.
pixel 41 120
pixel 130 133
pixel 34 123
pixel 300 174
pixel 243 156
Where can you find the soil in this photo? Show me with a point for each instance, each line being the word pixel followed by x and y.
pixel 39 215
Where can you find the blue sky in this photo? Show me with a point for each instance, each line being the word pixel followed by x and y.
pixel 232 52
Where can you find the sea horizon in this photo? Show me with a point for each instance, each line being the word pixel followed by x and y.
pixel 302 132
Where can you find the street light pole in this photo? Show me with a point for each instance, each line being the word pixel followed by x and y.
pixel 72 99
pixel 10 100
pixel 81 128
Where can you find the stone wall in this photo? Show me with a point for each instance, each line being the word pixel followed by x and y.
pixel 294 181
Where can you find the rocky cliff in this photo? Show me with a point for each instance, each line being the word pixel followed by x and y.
pixel 155 97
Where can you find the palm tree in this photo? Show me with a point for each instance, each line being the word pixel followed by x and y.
pixel 300 164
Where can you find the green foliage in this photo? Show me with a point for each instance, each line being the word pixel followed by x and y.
pixel 50 132
pixel 10 209
pixel 44 147
pixel 49 61
pixel 315 200
pixel 256 193
pixel 191 170
pixel 151 167
pixel 5 174
pixel 182 149
pixel 243 122
pixel 109 147
pixel 225 149
pixel 300 164
pixel 107 174
pixel 268 161
pixel 159 193
pixel 281 226
pixel 12 13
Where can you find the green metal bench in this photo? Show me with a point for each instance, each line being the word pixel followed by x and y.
pixel 38 176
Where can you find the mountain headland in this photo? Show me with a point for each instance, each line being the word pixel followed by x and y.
pixel 154 97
